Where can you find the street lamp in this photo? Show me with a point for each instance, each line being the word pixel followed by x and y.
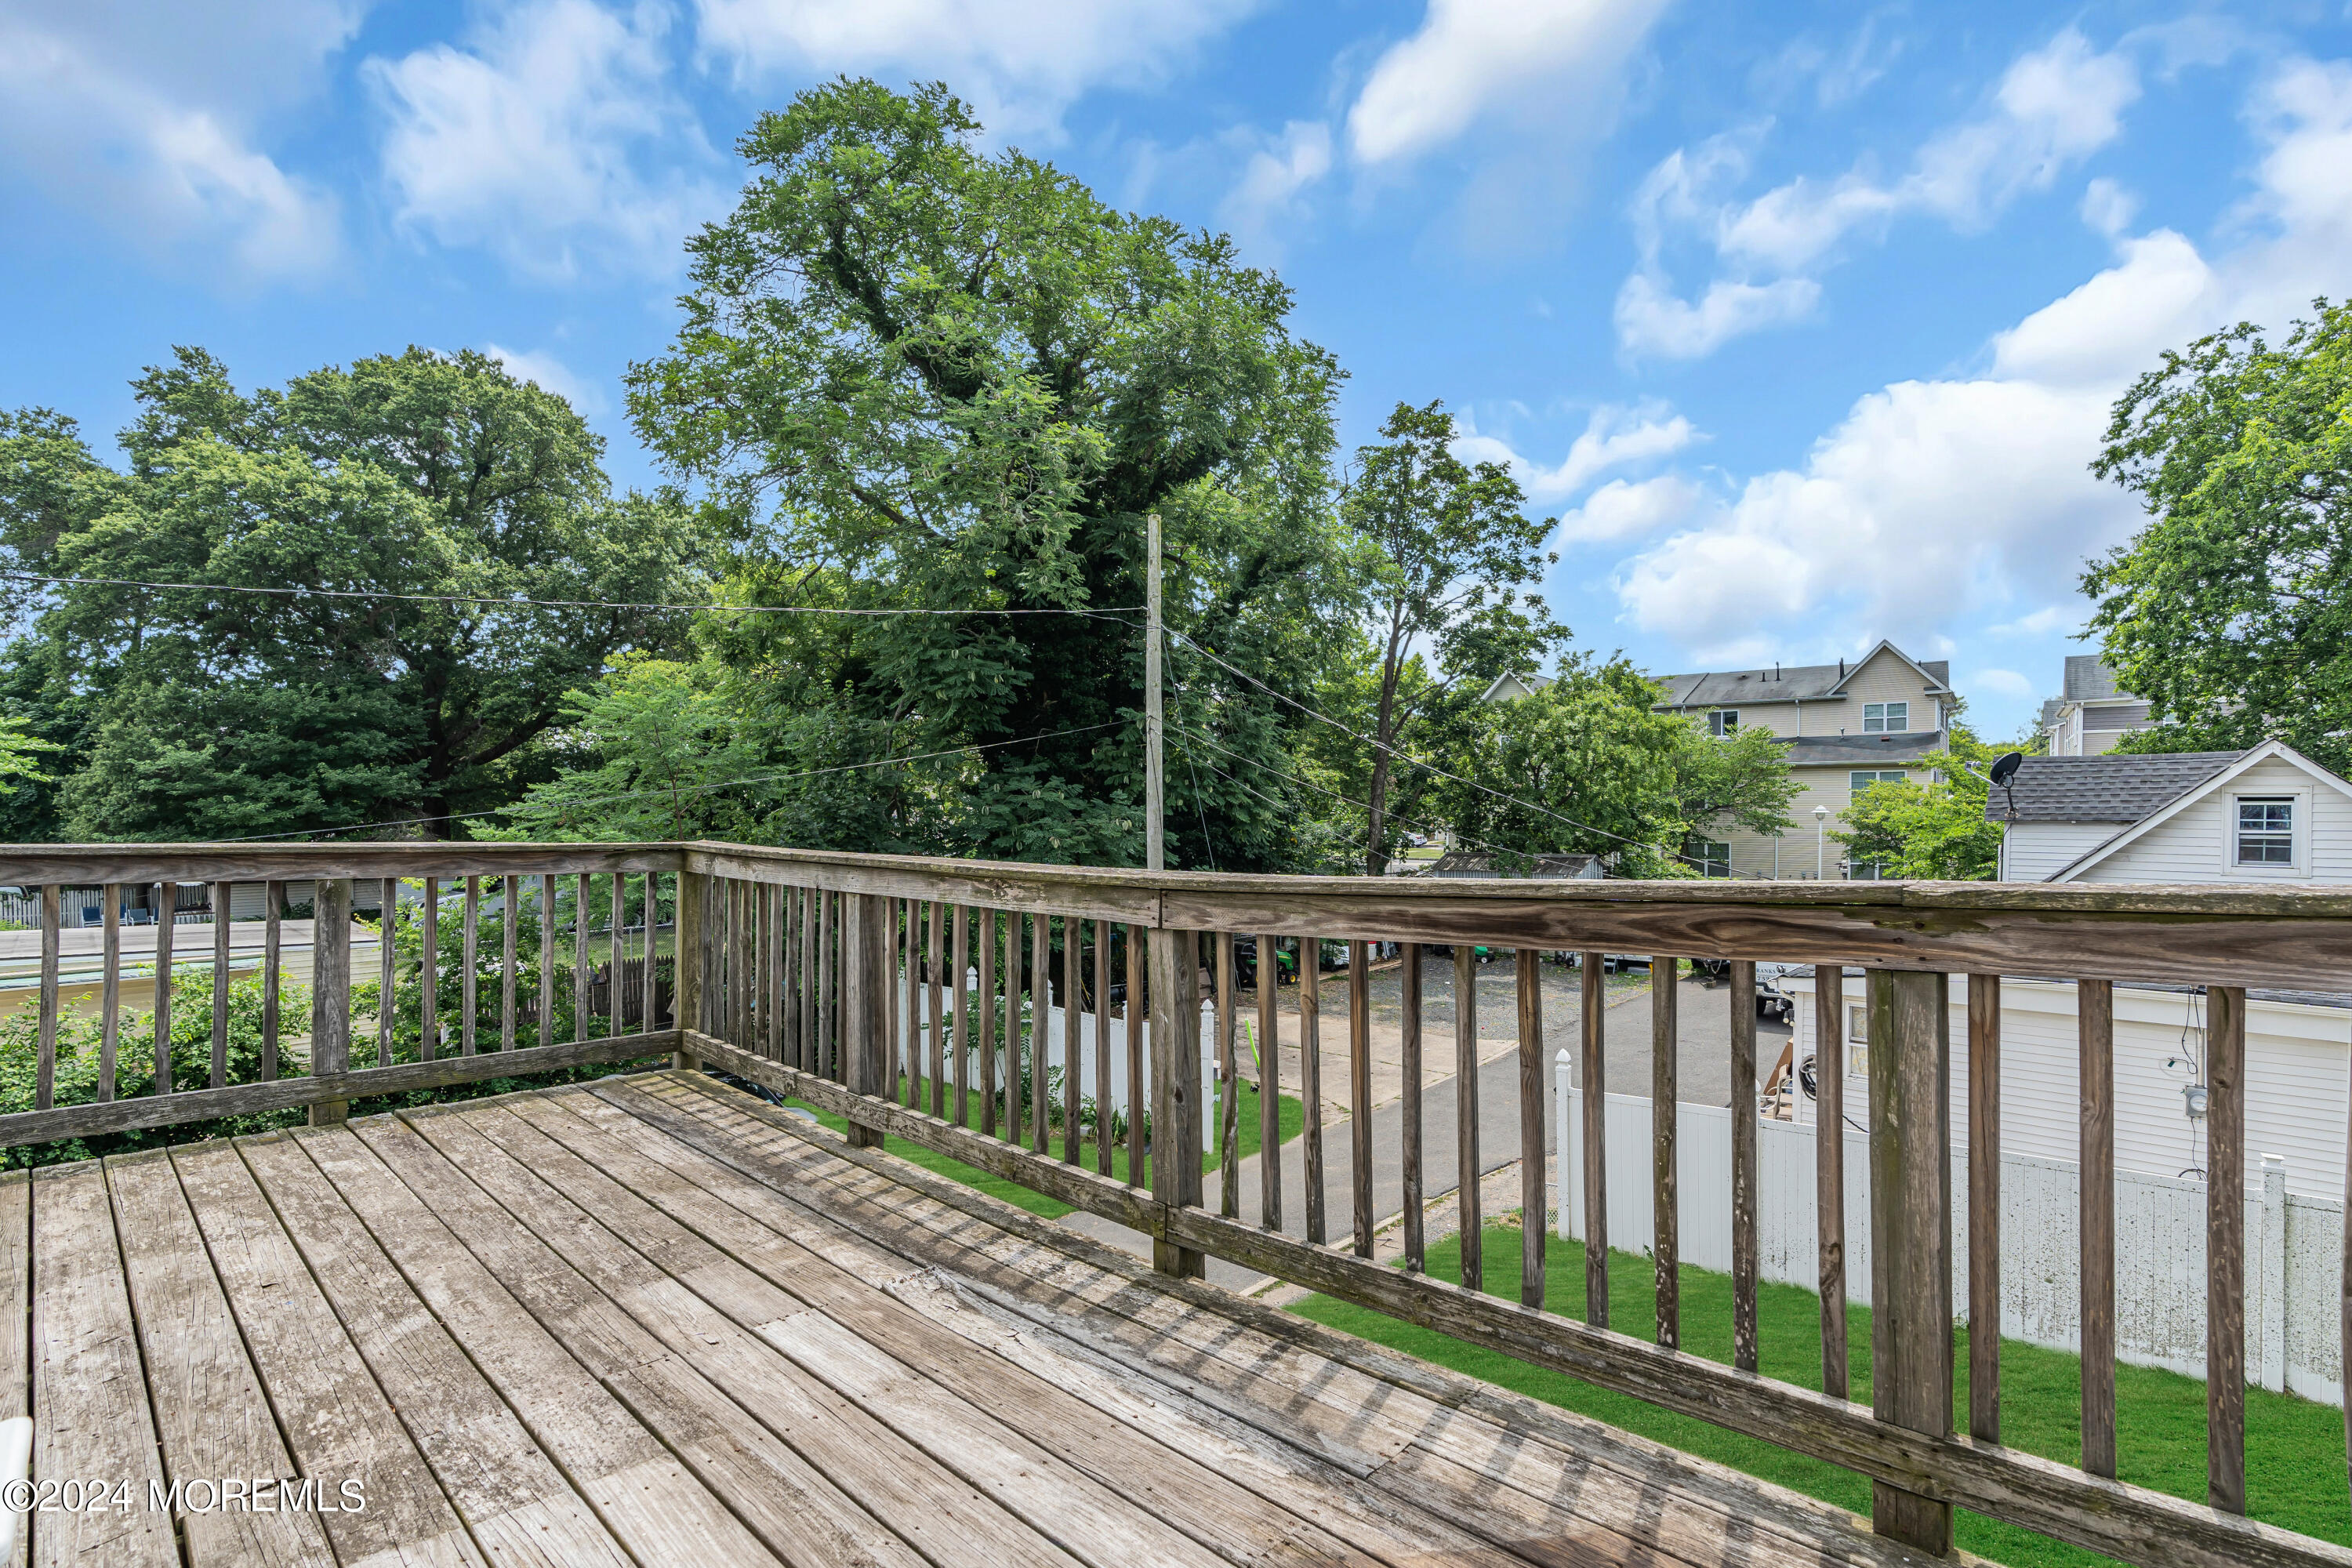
pixel 1820 837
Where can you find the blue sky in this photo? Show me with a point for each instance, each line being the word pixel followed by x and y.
pixel 1803 319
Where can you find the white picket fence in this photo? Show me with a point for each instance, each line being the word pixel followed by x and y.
pixel 2293 1243
pixel 912 1027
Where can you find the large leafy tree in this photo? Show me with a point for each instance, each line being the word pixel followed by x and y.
pixel 1452 554
pixel 2232 610
pixel 1934 827
pixel 199 713
pixel 928 377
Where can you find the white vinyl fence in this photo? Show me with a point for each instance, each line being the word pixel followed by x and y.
pixel 913 1027
pixel 2293 1243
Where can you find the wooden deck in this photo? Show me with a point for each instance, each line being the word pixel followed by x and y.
pixel 654 1321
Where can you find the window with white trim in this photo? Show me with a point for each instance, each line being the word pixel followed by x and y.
pixel 1886 717
pixel 1863 778
pixel 1723 721
pixel 2265 830
pixel 1710 858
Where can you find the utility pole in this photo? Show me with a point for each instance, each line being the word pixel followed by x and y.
pixel 1155 817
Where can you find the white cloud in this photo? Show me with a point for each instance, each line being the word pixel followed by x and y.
pixel 1931 499
pixel 531 142
pixel 1624 509
pixel 2109 207
pixel 1652 320
pixel 550 373
pixel 1612 438
pixel 2040 623
pixel 155 122
pixel 2007 682
pixel 1471 59
pixel 1019 62
pixel 1274 182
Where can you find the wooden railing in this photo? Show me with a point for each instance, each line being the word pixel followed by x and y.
pixel 911 996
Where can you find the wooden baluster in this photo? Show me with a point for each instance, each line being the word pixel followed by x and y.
pixel 649 1006
pixel 1360 1091
pixel 1041 992
pixel 330 991
pixel 1984 1206
pixel 960 958
pixel 617 991
pixel 1103 1107
pixel 866 934
pixel 2225 1249
pixel 1745 1253
pixel 742 957
pixel 510 918
pixel 428 1004
pixel 686 966
pixel 222 893
pixel 167 898
pixel 1013 981
pixel 273 896
pixel 789 975
pixel 1910 1226
pixel 1229 1156
pixel 984 950
pixel 1665 1161
pixel 1593 1075
pixel 110 1006
pixel 468 983
pixel 1465 1109
pixel 934 953
pixel 1310 1079
pixel 547 961
pixel 1136 951
pixel 1269 1083
pixel 1415 1255
pixel 45 1071
pixel 387 917
pixel 1828 1167
pixel 1534 1226
pixel 805 981
pixel 1176 1116
pixel 2097 1008
pixel 1074 974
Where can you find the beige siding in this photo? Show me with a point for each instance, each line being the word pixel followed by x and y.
pixel 1884 678
pixel 2194 845
pixel 1777 716
pixel 1751 854
pixel 2037 850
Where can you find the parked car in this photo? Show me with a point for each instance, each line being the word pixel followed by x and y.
pixel 1772 1002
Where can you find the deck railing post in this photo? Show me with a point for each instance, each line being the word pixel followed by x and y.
pixel 865 1043
pixel 1911 1232
pixel 685 968
pixel 1176 1114
pixel 331 990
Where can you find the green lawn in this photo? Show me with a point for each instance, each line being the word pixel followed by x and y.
pixel 1293 1117
pixel 2295 1448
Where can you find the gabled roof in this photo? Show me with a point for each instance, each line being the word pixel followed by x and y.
pixel 1796 683
pixel 1505 687
pixel 2268 751
pixel 2088 679
pixel 2118 789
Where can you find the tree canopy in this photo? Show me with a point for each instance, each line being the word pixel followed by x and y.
pixel 927 376
pixel 2231 611
pixel 196 713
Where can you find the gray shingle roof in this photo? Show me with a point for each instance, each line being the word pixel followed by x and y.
pixel 2104 789
pixel 2088 678
pixel 1808 682
pixel 1864 751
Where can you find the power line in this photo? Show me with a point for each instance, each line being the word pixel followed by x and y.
pixel 697 789
pixel 306 593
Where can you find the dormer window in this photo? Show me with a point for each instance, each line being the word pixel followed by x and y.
pixel 2265 835
pixel 1886 717
pixel 1722 722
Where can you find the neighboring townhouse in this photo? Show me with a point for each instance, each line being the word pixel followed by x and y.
pixel 1846 726
pixel 2091 713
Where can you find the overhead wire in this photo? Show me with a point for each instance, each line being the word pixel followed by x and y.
pixel 498 602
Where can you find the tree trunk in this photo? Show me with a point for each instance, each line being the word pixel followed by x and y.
pixel 1376 856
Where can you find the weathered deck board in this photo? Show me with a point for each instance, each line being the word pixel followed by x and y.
pixel 654 1319
pixel 207 1401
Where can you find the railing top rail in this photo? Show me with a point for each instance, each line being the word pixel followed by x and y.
pixel 93 865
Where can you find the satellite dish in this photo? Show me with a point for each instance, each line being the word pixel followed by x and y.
pixel 2004 767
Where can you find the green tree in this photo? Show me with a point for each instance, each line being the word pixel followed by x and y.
pixel 1451 550
pixel 1931 828
pixel 202 714
pixel 2231 611
pixel 926 377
